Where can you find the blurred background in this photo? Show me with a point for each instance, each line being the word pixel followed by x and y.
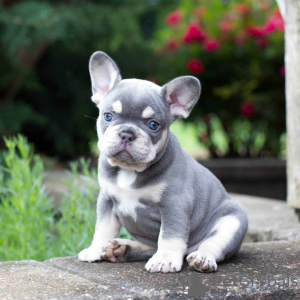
pixel 235 48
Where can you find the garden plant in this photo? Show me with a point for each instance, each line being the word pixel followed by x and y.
pixel 236 50
pixel 32 224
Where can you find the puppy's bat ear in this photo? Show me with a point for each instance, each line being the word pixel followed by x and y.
pixel 182 93
pixel 104 75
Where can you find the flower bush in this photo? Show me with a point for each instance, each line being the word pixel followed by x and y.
pixel 237 52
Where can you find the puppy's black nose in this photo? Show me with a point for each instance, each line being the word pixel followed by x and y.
pixel 127 136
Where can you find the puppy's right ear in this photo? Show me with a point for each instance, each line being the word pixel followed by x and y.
pixel 104 75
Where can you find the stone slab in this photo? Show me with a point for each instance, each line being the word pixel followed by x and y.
pixel 269 219
pixel 260 271
pixel 36 280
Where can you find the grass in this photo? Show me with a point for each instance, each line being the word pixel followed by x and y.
pixel 31 225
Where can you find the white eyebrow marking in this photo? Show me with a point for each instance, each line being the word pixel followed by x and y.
pixel 148 112
pixel 117 107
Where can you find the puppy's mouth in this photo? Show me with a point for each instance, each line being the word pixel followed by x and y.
pixel 124 155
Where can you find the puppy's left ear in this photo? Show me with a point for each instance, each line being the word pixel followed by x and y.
pixel 104 75
pixel 182 93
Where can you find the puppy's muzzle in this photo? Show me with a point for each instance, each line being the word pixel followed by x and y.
pixel 127 134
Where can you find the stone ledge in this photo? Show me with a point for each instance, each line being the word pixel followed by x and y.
pixel 260 271
pixel 269 219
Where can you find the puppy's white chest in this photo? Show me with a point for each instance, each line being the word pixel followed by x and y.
pixel 125 179
pixel 129 198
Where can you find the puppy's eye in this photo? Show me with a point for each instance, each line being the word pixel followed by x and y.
pixel 108 117
pixel 153 125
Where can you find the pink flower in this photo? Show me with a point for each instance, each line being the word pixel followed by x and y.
pixel 275 22
pixel 247 109
pixel 225 25
pixel 172 45
pixel 243 9
pixel 195 66
pixel 282 71
pixel 193 34
pixel 211 45
pixel 269 27
pixel 257 31
pixel 173 18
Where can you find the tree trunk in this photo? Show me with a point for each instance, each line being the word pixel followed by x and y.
pixel 292 64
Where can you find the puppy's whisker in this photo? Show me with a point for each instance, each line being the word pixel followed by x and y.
pixel 90 117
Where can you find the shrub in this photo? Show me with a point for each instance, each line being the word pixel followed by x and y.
pixel 27 216
pixel 236 50
pixel 32 226
pixel 45 47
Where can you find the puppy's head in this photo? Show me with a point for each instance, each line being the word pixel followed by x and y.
pixel 135 115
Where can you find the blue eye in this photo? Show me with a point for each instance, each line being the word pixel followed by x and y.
pixel 153 125
pixel 108 117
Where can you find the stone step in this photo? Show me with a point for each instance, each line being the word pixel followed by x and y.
pixel 269 270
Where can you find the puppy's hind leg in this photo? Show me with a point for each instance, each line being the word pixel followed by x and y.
pixel 223 241
pixel 123 250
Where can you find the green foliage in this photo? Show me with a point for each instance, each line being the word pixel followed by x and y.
pixel 45 47
pixel 31 225
pixel 238 55
pixel 26 213
pixel 76 223
pixel 45 87
pixel 14 115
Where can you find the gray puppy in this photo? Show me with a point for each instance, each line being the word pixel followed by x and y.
pixel 169 203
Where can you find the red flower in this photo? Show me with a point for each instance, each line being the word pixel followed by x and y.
pixel 269 27
pixel 275 22
pixel 195 66
pixel 225 25
pixel 173 18
pixel 243 9
pixel 257 31
pixel 282 71
pixel 247 109
pixel 211 45
pixel 193 34
pixel 172 45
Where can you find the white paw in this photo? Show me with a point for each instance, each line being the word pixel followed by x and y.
pixel 165 262
pixel 202 262
pixel 91 254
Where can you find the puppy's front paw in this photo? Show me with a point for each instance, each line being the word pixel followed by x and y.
pixel 165 262
pixel 91 254
pixel 114 251
pixel 202 262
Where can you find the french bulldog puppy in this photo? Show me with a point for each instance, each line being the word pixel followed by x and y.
pixel 172 206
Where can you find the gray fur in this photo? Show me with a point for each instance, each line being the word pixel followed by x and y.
pixel 193 199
